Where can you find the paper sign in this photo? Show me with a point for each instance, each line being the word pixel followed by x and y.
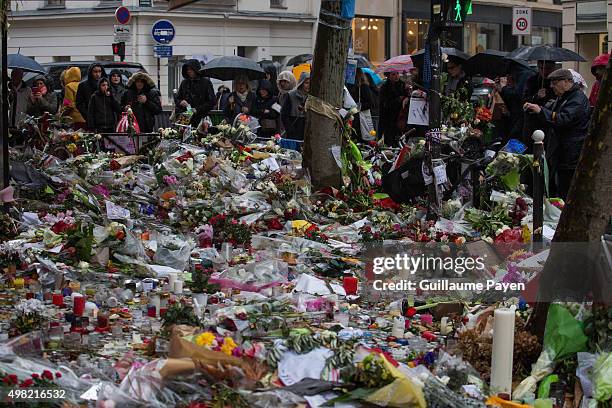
pixel 276 107
pixel 440 173
pixel 419 112
pixel 271 164
pixel 548 232
pixel 92 393
pixel 336 152
pixel 115 212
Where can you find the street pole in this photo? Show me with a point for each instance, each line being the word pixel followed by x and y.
pixel 4 122
pixel 158 74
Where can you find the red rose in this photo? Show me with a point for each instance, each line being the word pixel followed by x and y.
pixel 27 383
pixel 58 375
pixel 184 157
pixel 35 375
pixel 12 379
pixel 411 311
pixel 47 375
pixel 114 165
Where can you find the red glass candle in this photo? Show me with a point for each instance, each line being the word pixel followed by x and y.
pixel 79 305
pixel 162 311
pixel 151 311
pixel 102 320
pixel 29 295
pixel 350 285
pixel 58 299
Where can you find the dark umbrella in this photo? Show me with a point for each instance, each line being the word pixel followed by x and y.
pixel 545 53
pixel 228 68
pixel 489 64
pixel 417 57
pixel 299 59
pixel 19 61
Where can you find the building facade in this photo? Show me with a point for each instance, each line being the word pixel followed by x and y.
pixel 586 30
pixel 488 27
pixel 82 30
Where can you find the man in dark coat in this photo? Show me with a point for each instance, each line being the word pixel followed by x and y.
pixel 103 109
pixel 391 98
pixel 88 87
pixel 263 110
pixel 568 121
pixel 144 99
pixel 117 88
pixel 458 83
pixel 195 91
pixel 293 112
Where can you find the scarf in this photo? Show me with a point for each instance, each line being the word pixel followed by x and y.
pixel 242 96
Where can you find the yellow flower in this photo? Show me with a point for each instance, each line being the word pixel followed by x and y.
pixel 526 234
pixel 372 132
pixel 72 148
pixel 205 339
pixel 228 346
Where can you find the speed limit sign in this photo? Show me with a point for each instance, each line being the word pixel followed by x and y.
pixel 521 20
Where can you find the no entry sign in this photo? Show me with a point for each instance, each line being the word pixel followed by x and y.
pixel 521 20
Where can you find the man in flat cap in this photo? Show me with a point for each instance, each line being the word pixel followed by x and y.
pixel 568 122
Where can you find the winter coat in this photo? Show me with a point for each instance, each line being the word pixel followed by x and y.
pixel 262 110
pixel 72 77
pixel 18 99
pixel 103 111
pixel 48 103
pixel 221 99
pixel 234 106
pixel 282 94
pixel 390 105
pixel 117 90
pixel 599 61
pixel 198 92
pixel 86 89
pixel 144 112
pixel 568 120
pixel 271 70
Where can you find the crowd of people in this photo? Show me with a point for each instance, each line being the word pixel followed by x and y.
pixel 550 99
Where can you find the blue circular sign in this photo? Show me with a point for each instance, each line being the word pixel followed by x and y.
pixel 122 14
pixel 163 32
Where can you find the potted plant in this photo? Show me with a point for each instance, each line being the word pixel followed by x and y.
pixel 199 284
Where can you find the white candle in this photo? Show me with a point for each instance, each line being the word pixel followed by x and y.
pixel 155 300
pixel 178 287
pixel 503 350
pixel 444 328
pixel 90 307
pixel 399 326
pixel 171 279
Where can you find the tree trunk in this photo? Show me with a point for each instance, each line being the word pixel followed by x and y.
pixel 4 119
pixel 585 216
pixel 327 83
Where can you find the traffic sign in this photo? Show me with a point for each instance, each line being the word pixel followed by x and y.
pixel 122 14
pixel 122 33
pixel 163 32
pixel 521 20
pixel 162 51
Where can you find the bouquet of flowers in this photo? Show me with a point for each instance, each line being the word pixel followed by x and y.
pixel 229 229
pixel 508 167
pixel 29 316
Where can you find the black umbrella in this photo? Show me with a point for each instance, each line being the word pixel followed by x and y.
pixel 299 59
pixel 228 68
pixel 489 63
pixel 417 57
pixel 19 61
pixel 545 53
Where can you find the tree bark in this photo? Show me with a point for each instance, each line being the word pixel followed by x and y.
pixel 585 216
pixel 327 83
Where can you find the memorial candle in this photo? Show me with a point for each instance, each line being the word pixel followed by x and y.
pixel 503 348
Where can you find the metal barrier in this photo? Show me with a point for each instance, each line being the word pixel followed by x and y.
pixel 127 143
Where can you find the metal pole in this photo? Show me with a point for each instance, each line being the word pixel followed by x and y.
pixel 538 185
pixel 158 75
pixel 5 106
pixel 433 151
pixel 476 187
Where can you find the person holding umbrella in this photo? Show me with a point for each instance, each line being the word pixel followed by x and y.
pixel 19 95
pixel 41 100
pixel 390 105
pixel 458 83
pixel 195 91
pixel 568 120
pixel 241 100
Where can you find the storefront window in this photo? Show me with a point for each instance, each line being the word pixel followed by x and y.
pixel 478 37
pixel 416 33
pixel 370 38
pixel 541 36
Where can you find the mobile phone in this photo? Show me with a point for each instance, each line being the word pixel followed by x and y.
pixel 35 90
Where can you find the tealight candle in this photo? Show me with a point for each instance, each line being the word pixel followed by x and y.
pixel 178 287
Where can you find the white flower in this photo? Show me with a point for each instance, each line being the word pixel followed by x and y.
pixel 30 306
pixel 353 111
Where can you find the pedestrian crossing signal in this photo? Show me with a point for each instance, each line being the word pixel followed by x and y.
pixel 119 49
